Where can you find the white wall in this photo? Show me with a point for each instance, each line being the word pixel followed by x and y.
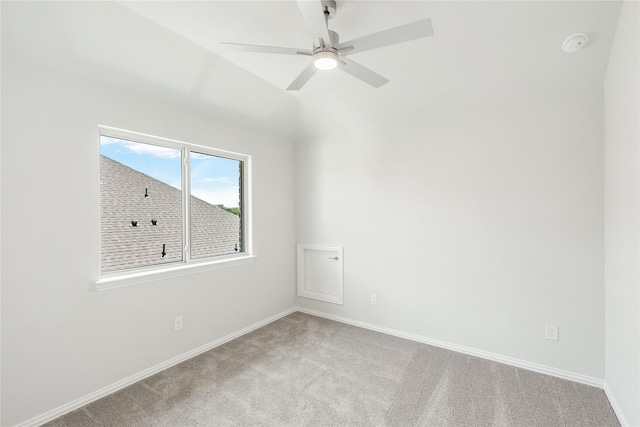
pixel 60 339
pixel 622 216
pixel 475 227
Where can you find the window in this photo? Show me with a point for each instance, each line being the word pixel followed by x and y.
pixel 165 203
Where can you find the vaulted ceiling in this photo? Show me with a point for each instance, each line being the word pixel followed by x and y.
pixel 480 52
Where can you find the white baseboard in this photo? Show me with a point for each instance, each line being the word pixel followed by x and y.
pixel 105 391
pixel 615 405
pixel 559 373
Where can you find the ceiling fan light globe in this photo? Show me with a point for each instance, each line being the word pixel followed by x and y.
pixel 325 64
pixel 325 60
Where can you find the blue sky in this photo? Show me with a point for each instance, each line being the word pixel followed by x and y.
pixel 213 179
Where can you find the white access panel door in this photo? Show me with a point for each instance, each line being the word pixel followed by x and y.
pixel 320 273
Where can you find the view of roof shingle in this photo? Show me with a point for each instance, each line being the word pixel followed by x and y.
pixel 214 231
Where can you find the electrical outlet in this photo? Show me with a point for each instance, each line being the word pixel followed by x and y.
pixel 177 324
pixel 551 332
pixel 374 299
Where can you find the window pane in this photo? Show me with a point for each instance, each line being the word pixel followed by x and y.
pixel 141 204
pixel 216 211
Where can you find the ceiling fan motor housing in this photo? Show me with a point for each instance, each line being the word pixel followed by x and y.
pixel 335 38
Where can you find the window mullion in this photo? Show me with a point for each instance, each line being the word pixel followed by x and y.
pixel 186 205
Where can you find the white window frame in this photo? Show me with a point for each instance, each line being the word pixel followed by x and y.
pixel 138 275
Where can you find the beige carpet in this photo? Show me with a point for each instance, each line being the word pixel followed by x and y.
pixel 307 371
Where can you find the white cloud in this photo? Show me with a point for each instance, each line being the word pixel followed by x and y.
pixel 221 179
pixel 224 196
pixel 153 150
pixel 199 156
pixel 140 148
pixel 107 140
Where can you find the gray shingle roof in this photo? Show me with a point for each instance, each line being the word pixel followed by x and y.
pixel 214 231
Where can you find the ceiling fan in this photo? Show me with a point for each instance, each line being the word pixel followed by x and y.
pixel 328 52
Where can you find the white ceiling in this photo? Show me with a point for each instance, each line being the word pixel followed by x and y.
pixel 479 46
pixel 480 52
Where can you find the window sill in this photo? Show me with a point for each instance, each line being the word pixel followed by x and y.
pixel 123 279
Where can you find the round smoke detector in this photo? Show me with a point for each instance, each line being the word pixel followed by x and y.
pixel 575 43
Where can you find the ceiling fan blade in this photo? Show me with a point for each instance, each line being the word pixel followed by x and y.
pixel 403 33
pixel 303 78
pixel 313 15
pixel 266 49
pixel 363 73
